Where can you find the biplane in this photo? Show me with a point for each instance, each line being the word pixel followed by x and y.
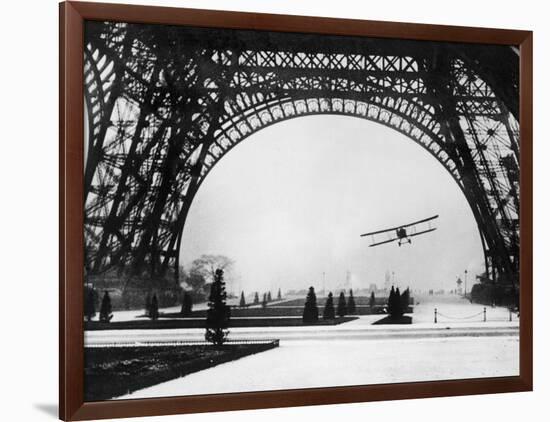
pixel 402 233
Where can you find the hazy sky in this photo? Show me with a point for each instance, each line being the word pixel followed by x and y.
pixel 289 203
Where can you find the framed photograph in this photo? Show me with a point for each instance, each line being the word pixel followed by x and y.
pixel 268 210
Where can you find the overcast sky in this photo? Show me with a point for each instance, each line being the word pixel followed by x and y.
pixel 289 203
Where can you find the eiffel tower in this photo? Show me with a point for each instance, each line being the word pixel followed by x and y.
pixel 165 103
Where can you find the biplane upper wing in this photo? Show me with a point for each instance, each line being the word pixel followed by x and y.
pixel 398 227
pixel 421 221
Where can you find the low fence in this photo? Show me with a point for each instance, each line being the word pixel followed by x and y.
pixel 233 342
pixel 480 316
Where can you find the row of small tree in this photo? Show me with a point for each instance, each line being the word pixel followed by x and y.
pixel 152 306
pixel 343 308
pixel 105 311
pixel 266 298
pixel 398 302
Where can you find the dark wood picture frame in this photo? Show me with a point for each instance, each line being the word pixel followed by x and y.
pixel 71 128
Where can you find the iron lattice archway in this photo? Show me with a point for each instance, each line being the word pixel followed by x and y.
pixel 166 103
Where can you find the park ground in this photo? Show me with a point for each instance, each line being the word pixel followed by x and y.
pixel 460 345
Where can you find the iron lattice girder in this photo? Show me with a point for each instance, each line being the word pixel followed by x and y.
pixel 165 105
pixel 221 146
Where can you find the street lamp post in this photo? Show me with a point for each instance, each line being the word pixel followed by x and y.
pixel 465 281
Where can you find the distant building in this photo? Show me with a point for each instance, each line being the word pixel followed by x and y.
pixel 373 287
pixel 459 286
pixel 387 281
pixel 347 284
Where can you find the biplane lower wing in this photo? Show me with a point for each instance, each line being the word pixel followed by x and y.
pixel 385 241
pixel 422 232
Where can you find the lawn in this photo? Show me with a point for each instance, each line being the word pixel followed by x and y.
pixel 145 324
pixel 116 371
pixel 281 310
pixel 359 301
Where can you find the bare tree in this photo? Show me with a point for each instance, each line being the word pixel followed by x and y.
pixel 206 266
pixel 201 272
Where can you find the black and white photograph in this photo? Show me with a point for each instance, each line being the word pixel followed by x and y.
pixel 270 210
